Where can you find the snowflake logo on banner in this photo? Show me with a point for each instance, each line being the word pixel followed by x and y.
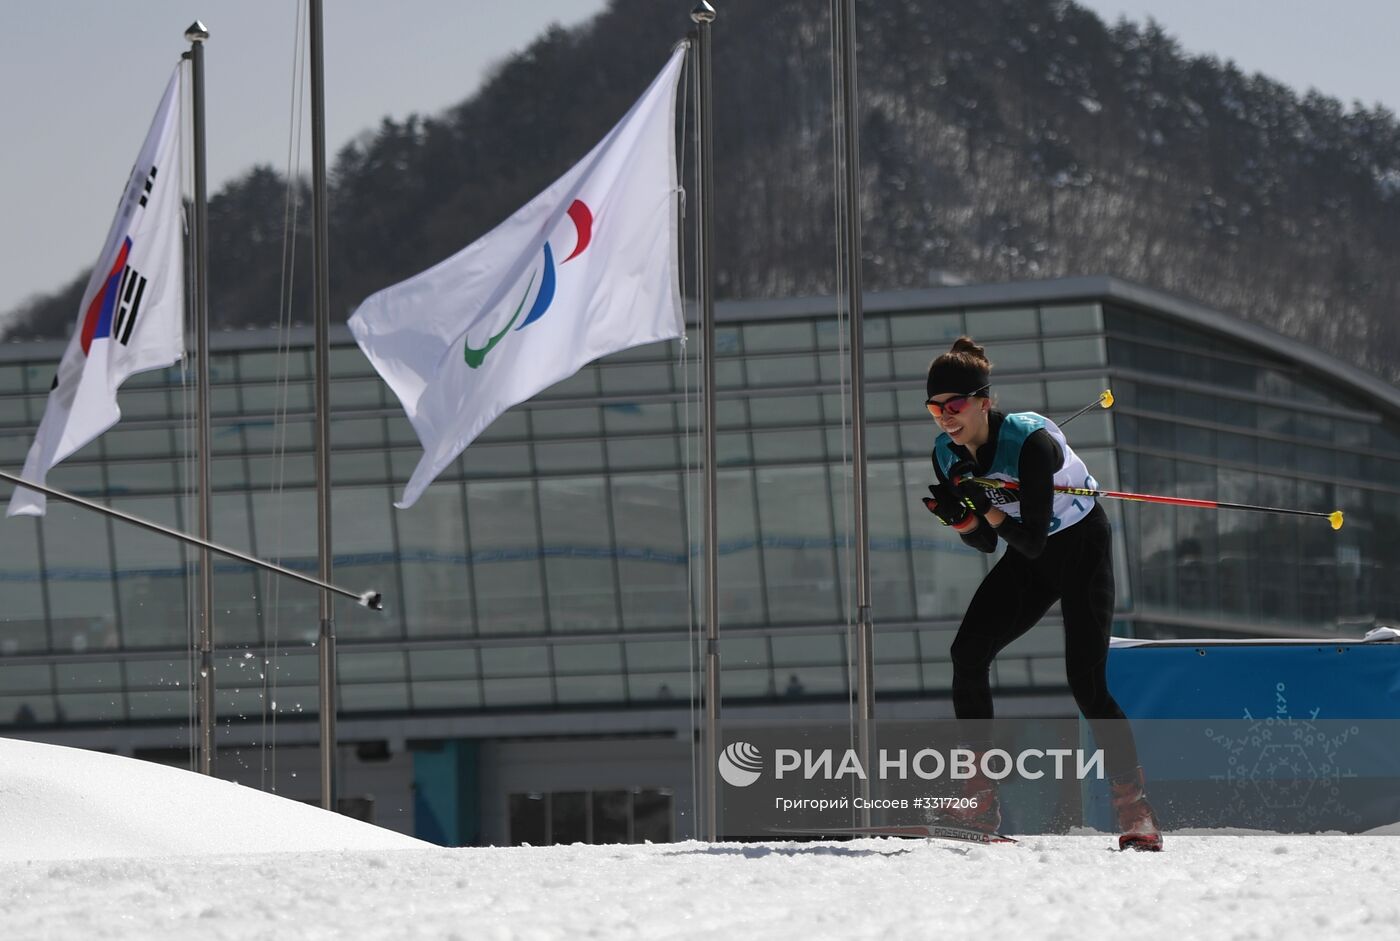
pixel 1284 763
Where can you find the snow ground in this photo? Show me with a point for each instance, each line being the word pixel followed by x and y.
pixel 145 875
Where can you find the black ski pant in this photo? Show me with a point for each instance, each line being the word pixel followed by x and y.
pixel 1076 569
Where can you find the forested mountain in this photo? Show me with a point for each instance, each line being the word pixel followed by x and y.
pixel 1005 139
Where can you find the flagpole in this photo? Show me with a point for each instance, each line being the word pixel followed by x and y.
pixel 197 34
pixel 703 15
pixel 845 43
pixel 319 240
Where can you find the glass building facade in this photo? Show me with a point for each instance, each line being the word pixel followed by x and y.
pixel 553 569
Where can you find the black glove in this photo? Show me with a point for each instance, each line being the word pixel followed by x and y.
pixel 946 504
pixel 973 494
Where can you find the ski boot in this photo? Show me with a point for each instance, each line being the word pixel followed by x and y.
pixel 1139 826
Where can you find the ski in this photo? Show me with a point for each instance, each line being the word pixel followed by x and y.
pixel 913 831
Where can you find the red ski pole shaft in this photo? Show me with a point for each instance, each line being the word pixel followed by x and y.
pixel 1334 517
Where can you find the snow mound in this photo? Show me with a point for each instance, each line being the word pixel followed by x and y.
pixel 68 803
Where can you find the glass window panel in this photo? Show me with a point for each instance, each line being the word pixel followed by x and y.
pixel 513 425
pixel 269 398
pixel 503 526
pixel 514 661
pixel 741 598
pixel 1009 322
pixel 142 476
pixel 879 366
pixel 528 820
pixel 145 403
pixel 228 473
pixel 138 442
pixel 798 650
pixel 442 664
pixel 371 666
pixel 651 815
pixel 781 370
pixel 399 431
pixel 90 707
pixel 569 422
pixel 746 684
pixel 151 575
pixel 1015 357
pixel 270 436
pixel 1070 395
pixel 888 515
pixel 168 706
pixel 26 678
pixel 479 460
pixel 897 677
pixel 568 817
pixel 587 658
pixel 652 377
pixel 348 361
pixel 631 417
pixel 879 406
pixel 729 374
pixel 926 330
pixel 11 379
pixel 579 555
pixel 1071 318
pixel 658 687
pixel 785 410
pixel 1079 352
pixel 565 456
pixel 274 365
pixel 913 364
pixel 14 447
pixel 356 432
pixel 364 545
pixel 87 676
pixel 813 681
pixel 357 393
pixel 578 689
pixel 625 453
pixel 581 384
pixel 1019 396
pixel 32 709
pixel 798 557
pixel 789 446
pixel 446 694
pixel 518 691
pixel 611 816
pixel 23 624
pixel 437 581
pixel 657 655
pixel 374 697
pixel 80 477
pixel 771 337
pixel 78 568
pixel 733 449
pixel 347 467
pixel 649 527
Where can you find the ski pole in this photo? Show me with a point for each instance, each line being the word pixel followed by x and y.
pixel 1105 400
pixel 1335 517
pixel 368 599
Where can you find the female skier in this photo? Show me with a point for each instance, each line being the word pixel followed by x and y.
pixel 1057 550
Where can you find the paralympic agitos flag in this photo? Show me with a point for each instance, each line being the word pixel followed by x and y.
pixel 132 313
pixel 586 268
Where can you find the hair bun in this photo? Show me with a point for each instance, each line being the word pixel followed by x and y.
pixel 965 344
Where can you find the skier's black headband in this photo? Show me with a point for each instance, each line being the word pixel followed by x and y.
pixel 949 375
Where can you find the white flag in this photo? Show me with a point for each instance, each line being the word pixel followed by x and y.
pixel 586 268
pixel 132 315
